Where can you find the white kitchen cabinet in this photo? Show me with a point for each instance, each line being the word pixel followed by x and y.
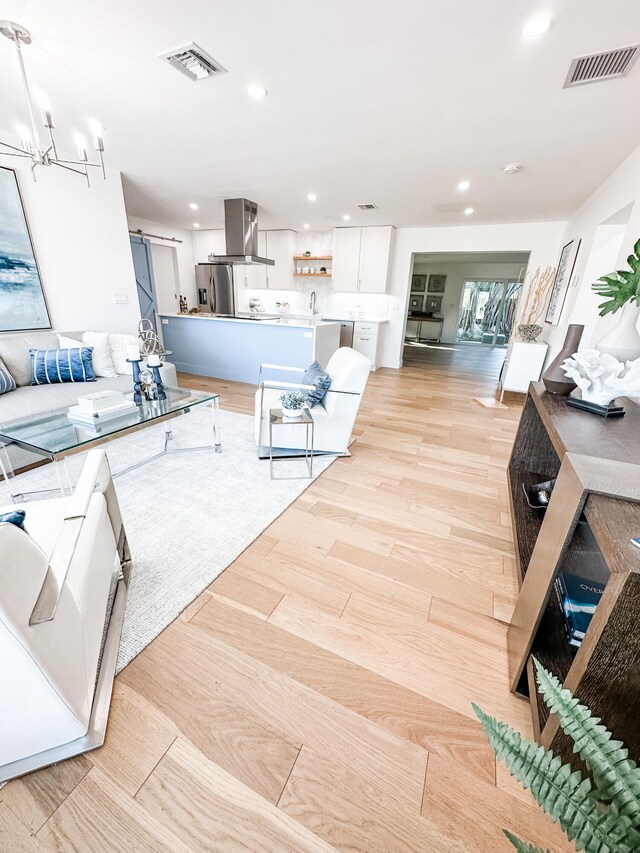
pixel 361 258
pixel 366 340
pixel 205 243
pixel 279 246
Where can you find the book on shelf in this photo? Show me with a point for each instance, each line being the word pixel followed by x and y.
pixel 100 401
pixel 80 415
pixel 578 598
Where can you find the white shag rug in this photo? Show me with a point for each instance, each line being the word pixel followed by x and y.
pixel 187 515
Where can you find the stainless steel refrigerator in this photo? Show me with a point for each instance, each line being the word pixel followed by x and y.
pixel 214 283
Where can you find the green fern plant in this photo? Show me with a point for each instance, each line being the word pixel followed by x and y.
pixel 620 287
pixel 600 812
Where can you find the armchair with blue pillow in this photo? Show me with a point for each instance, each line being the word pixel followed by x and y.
pixel 333 397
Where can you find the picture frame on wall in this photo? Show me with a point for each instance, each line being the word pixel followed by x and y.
pixel 564 273
pixel 437 283
pixel 418 283
pixel 22 296
pixel 433 304
pixel 415 302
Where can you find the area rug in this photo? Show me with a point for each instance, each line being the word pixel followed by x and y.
pixel 188 516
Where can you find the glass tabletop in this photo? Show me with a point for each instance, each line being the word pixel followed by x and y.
pixel 54 432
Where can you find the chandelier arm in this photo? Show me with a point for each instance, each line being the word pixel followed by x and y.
pixel 25 82
pixel 75 162
pixel 68 168
pixel 52 146
pixel 19 151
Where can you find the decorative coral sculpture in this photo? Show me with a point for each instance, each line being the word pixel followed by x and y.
pixel 601 377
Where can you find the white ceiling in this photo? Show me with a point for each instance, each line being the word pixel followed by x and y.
pixel 370 101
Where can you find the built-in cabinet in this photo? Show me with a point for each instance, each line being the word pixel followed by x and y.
pixel 361 259
pixel 280 247
pixel 207 243
pixel 366 340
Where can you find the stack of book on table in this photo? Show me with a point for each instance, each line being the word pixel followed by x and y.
pixel 578 598
pixel 95 410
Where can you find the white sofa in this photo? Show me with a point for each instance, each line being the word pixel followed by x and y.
pixel 56 584
pixel 30 399
pixel 333 417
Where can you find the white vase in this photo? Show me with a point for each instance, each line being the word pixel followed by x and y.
pixel 623 341
pixel 291 414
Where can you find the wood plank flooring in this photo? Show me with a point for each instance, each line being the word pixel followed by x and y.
pixel 317 696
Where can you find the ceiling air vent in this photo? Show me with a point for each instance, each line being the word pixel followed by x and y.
pixel 193 61
pixel 601 66
pixel 367 206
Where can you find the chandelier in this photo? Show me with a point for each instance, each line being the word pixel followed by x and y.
pixel 46 154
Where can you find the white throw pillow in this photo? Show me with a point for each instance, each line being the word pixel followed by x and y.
pixel 118 344
pixel 101 356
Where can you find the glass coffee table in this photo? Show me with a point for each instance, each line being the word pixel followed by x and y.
pixel 53 435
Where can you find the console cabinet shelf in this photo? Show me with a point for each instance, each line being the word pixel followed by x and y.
pixel 586 530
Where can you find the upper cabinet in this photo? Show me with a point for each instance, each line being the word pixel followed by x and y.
pixel 279 246
pixel 361 258
pixel 207 243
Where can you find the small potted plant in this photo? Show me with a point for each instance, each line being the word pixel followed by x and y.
pixel 293 403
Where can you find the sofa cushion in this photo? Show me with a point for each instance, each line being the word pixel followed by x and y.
pixel 7 382
pixel 118 346
pixel 14 352
pixel 102 363
pixel 315 375
pixel 52 366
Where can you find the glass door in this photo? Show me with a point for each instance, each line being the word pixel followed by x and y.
pixel 487 312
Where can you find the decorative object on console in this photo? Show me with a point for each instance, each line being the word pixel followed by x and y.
pixel 602 378
pixel 564 272
pixel 52 366
pixel 46 154
pixel 538 496
pixel 529 331
pixel 554 377
pixel 418 283
pixel 155 368
pixel 21 293
pixel 293 403
pixel 137 378
pixel 437 283
pixel 622 289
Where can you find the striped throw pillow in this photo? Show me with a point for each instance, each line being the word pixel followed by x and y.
pixel 7 382
pixel 49 366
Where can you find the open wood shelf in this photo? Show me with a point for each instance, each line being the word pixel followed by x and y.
pixel 585 531
pixel 313 257
pixel 312 275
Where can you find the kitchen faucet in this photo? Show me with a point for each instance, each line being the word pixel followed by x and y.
pixel 312 302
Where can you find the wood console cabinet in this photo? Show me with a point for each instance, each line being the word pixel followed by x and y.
pixel 586 530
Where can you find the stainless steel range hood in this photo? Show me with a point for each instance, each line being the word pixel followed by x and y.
pixel 241 233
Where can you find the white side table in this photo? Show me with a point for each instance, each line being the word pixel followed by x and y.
pixel 277 419
pixel 523 365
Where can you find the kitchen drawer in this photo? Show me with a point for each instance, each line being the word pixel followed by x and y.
pixel 366 328
pixel 367 345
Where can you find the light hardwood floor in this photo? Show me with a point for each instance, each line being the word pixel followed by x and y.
pixel 318 694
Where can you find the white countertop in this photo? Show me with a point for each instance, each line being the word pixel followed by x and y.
pixel 328 317
pixel 298 321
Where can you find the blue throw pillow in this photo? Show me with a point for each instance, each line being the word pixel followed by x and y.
pixel 49 366
pixel 16 517
pixel 315 375
pixel 7 382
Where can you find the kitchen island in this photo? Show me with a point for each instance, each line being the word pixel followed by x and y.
pixel 234 348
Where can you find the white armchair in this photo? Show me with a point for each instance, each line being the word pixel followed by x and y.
pixel 333 418
pixel 57 582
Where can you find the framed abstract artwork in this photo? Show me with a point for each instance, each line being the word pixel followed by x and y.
pixel 418 283
pixel 564 273
pixel 22 302
pixel 437 283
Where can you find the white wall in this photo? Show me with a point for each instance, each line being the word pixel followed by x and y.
pixel 620 192
pixel 80 238
pixel 457 272
pixel 541 239
pixel 184 255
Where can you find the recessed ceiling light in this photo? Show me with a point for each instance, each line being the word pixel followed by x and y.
pixel 306 225
pixel 464 185
pixel 346 217
pixel 196 224
pixel 256 91
pixel 193 205
pixel 536 26
pixel 312 197
pixel 468 211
